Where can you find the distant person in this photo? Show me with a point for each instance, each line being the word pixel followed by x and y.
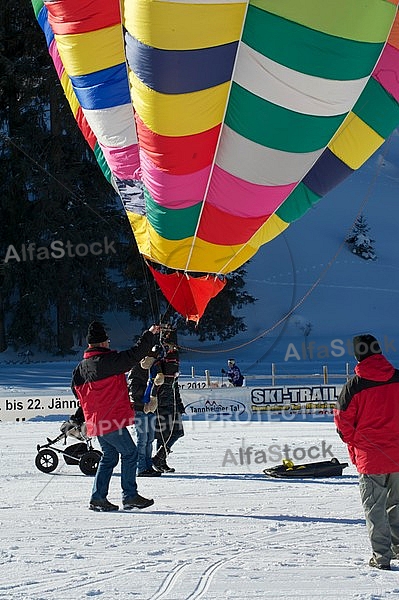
pixel 99 383
pixel 367 419
pixel 234 374
pixel 141 380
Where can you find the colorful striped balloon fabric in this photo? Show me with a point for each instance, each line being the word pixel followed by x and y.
pixel 222 122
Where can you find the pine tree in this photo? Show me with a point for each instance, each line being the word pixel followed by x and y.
pixel 51 189
pixel 359 241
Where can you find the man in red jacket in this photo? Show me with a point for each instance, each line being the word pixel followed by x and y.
pixel 367 419
pixel 99 382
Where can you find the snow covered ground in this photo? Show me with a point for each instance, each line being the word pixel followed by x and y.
pixel 217 529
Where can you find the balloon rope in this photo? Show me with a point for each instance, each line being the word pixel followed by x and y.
pixel 73 195
pixel 316 282
pixel 163 441
pixel 39 166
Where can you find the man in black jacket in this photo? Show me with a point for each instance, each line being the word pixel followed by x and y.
pixel 169 425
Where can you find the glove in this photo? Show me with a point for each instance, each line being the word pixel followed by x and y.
pixel 159 379
pixel 147 362
pixel 151 406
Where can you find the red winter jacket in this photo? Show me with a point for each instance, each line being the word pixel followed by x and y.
pixel 367 416
pixel 99 382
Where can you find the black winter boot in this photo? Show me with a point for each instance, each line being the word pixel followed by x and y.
pixel 159 461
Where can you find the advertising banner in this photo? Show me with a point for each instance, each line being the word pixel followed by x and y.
pixel 315 399
pixel 201 402
pixel 257 403
pixel 33 404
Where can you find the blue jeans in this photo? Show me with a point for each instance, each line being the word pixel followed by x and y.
pixel 145 429
pixel 112 445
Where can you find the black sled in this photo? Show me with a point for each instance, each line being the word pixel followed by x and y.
pixel 326 468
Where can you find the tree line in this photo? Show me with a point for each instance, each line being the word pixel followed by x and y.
pixel 67 253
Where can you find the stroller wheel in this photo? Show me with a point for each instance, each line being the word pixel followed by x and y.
pixel 46 460
pixel 89 462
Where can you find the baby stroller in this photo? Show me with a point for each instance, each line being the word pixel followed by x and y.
pixel 82 453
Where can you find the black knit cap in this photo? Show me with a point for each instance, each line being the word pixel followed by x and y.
pixel 365 345
pixel 96 333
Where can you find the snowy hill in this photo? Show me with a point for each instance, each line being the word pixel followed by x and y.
pixel 310 272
